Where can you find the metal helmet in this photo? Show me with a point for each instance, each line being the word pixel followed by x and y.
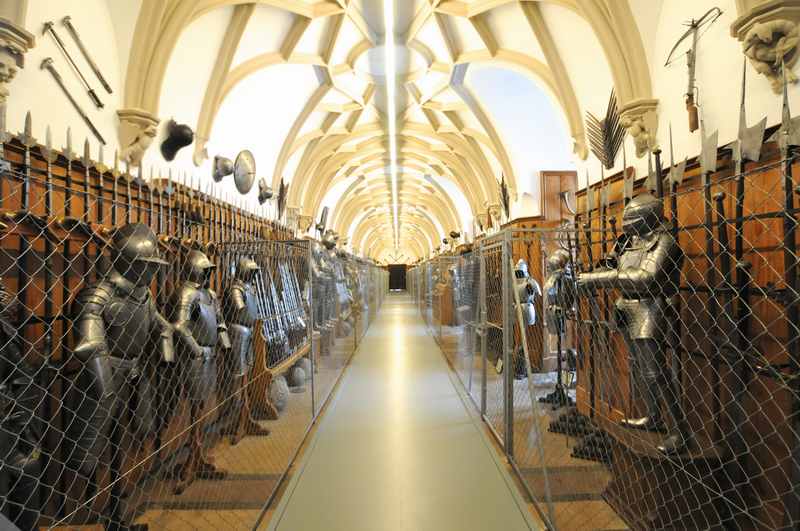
pixel 558 260
pixel 246 269
pixel 642 215
pixel 521 270
pixel 198 267
pixel 135 253
pixel 329 239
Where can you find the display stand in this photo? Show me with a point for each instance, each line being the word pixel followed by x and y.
pixel 652 491
pixel 262 375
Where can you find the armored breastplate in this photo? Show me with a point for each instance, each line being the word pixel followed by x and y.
pixel 204 320
pixel 127 319
pixel 248 315
pixel 551 292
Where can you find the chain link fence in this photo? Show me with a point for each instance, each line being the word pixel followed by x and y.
pixel 655 383
pixel 164 354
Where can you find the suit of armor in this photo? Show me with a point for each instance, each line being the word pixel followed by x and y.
pixel 20 432
pixel 558 297
pixel 242 313
pixel 527 290
pixel 115 321
pixel 200 328
pixel 647 276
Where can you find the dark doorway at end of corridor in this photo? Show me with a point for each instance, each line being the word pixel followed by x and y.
pixel 397 277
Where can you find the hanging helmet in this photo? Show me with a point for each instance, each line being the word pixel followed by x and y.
pixel 642 215
pixel 178 137
pixel 246 269
pixel 135 253
pixel 198 267
pixel 558 260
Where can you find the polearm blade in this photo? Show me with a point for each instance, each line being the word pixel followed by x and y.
pixel 67 22
pixel 47 64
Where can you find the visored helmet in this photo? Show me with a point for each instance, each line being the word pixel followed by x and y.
pixel 135 253
pixel 558 260
pixel 198 268
pixel 246 269
pixel 521 270
pixel 642 215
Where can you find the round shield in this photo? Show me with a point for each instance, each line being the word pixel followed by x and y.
pixel 244 171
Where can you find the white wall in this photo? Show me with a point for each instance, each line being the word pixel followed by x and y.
pixel 35 90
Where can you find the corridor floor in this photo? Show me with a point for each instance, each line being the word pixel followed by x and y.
pixel 397 449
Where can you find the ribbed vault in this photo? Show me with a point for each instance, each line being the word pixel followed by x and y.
pixel 339 135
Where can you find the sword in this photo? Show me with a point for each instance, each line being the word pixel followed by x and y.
pixel 67 21
pixel 48 28
pixel 47 64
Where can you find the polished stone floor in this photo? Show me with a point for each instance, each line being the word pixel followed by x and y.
pixel 397 448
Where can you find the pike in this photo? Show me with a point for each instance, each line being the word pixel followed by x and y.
pixel 169 191
pixel 746 147
pixel 691 60
pixel 48 28
pixel 67 22
pixel 50 156
pixel 101 169
pixel 723 340
pixel 4 137
pixel 627 182
pixel 70 156
pixel 26 139
pixel 151 200
pixel 88 164
pixel 128 194
pixel 139 193
pixel 676 174
pixel 160 192
pixel 788 140
pixel 47 64
pixel 115 173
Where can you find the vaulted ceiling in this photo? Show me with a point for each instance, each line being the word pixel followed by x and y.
pixel 303 84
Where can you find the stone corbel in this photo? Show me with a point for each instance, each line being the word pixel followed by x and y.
pixel 137 130
pixel 769 33
pixel 15 42
pixel 640 118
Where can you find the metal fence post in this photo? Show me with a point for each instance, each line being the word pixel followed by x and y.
pixel 508 344
pixel 483 325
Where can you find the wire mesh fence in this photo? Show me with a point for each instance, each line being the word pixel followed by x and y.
pixel 161 359
pixel 655 383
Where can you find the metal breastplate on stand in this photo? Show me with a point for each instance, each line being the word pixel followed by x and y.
pixel 204 320
pixel 127 321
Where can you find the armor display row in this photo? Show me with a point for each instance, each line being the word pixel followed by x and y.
pixel 130 370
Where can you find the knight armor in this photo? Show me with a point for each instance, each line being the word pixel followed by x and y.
pixel 115 323
pixel 200 330
pixel 20 426
pixel 197 317
pixel 527 290
pixel 115 319
pixel 242 310
pixel 647 277
pixel 559 297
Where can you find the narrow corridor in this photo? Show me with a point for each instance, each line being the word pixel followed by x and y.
pixel 397 448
